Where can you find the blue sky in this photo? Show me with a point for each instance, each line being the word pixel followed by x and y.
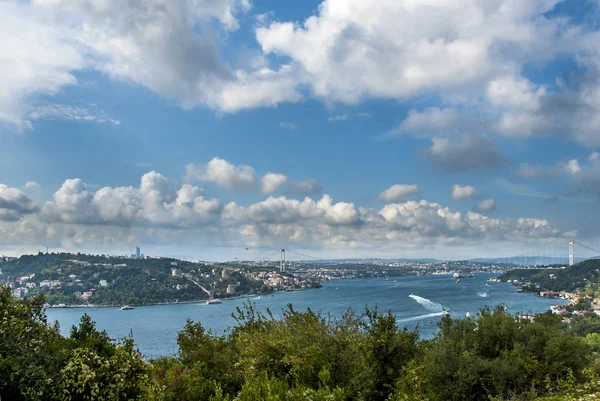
pixel 198 128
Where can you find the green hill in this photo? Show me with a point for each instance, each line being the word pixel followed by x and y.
pixel 65 278
pixel 555 278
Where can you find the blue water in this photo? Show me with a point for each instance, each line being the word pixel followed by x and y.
pixel 414 301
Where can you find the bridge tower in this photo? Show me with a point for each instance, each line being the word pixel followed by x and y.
pixel 571 253
pixel 282 261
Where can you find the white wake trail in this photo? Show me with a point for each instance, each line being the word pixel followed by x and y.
pixel 421 317
pixel 427 304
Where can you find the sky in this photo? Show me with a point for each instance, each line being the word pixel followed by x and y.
pixel 342 128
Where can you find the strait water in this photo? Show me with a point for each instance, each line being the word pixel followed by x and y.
pixel 414 301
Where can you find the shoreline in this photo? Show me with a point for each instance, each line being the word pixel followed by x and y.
pixel 197 301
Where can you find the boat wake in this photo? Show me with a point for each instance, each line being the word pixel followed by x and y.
pixel 428 304
pixel 421 317
pixel 483 294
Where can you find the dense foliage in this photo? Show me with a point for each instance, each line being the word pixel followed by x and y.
pixel 302 356
pixel 128 280
pixel 556 279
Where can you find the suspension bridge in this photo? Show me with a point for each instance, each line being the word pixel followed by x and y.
pixel 565 253
pixel 284 258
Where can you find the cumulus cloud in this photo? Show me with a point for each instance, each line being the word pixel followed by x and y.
pixel 223 173
pixel 31 185
pixel 487 205
pixel 394 50
pixel 431 121
pixel 14 204
pixel 154 211
pixel 168 47
pixel 375 49
pixel 271 182
pixel 397 192
pixel 153 203
pixel 468 152
pixel 464 192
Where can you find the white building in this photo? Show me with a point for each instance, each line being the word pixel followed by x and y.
pixel 103 283
pixel 231 289
pixel 177 273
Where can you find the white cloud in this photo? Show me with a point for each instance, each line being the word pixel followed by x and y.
pixel 487 205
pixel 37 57
pixel 223 173
pixel 153 203
pixel 463 192
pixel 467 152
pixel 348 51
pixel 431 120
pixel 271 182
pixel 570 167
pixel 515 92
pixel 14 204
pixel 397 192
pixel 155 212
pixel 164 46
pixel 395 50
pixel 31 185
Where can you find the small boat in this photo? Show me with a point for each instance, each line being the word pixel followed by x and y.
pixel 272 295
pixel 213 302
pixel 127 307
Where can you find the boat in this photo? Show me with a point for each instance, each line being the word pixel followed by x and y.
pixel 272 295
pixel 127 307
pixel 213 302
pixel 459 275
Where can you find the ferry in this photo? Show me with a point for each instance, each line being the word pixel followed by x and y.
pixel 469 275
pixel 213 302
pixel 127 307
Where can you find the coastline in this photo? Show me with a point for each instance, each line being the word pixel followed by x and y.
pixel 196 301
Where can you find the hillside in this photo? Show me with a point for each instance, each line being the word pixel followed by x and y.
pixel 556 279
pixel 77 279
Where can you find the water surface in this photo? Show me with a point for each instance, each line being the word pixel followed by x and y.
pixel 414 300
